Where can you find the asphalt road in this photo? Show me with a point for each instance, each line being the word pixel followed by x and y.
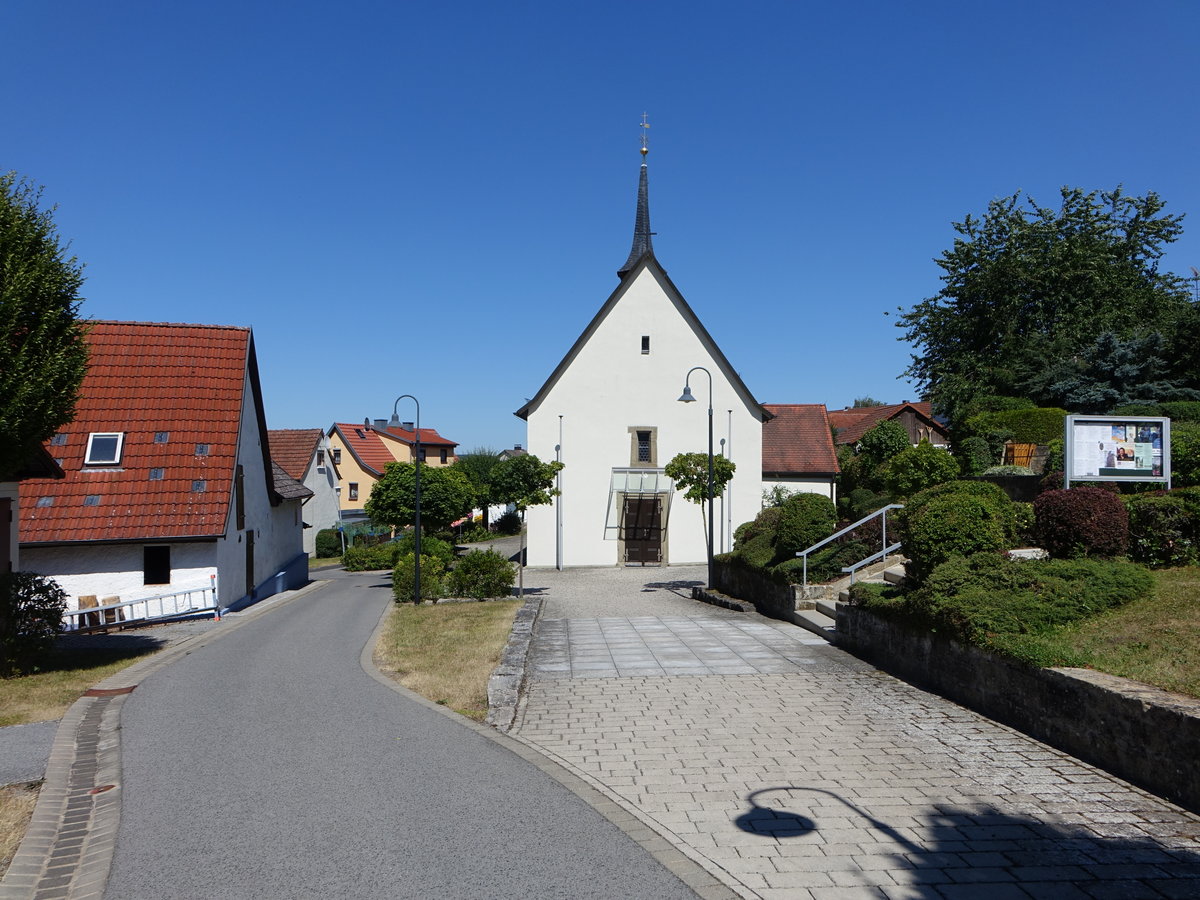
pixel 268 764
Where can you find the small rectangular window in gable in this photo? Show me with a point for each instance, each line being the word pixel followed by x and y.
pixel 337 455
pixel 157 474
pixel 645 343
pixel 104 448
pixel 354 490
pixel 643 447
pixel 320 457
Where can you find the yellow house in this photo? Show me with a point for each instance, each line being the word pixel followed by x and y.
pixel 362 452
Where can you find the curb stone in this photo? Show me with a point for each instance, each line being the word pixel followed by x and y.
pixel 508 679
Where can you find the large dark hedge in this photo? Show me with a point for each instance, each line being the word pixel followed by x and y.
pixel 329 543
pixel 957 518
pixel 1082 521
pixel 804 519
pixel 1027 426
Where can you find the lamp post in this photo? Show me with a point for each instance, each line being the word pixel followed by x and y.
pixel 688 398
pixel 395 422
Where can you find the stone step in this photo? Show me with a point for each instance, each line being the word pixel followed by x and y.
pixel 816 622
pixel 827 607
pixel 895 575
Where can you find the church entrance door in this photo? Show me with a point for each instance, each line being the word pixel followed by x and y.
pixel 642 531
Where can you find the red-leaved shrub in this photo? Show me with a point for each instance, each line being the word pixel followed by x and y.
pixel 1084 521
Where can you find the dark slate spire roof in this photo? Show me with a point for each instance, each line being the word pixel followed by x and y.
pixel 641 228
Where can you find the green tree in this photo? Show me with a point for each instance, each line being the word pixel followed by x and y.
pixel 477 466
pixel 524 481
pixel 865 402
pixel 883 441
pixel 915 468
pixel 446 495
pixel 1027 285
pixel 689 471
pixel 43 355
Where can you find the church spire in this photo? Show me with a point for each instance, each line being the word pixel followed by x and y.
pixel 641 222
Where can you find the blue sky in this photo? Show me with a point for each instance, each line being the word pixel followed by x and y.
pixel 434 198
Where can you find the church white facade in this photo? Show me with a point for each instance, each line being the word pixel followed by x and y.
pixel 611 413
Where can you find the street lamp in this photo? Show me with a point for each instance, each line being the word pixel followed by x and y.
pixel 395 422
pixel 688 398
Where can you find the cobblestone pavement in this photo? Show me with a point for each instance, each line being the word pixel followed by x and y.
pixel 789 768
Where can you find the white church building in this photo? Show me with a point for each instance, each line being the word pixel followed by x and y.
pixel 610 412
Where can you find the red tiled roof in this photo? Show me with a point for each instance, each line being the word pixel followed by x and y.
pixel 366 445
pixel 293 448
pixel 852 424
pixel 797 441
pixel 145 378
pixel 429 437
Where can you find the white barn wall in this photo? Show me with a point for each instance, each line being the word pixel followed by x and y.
pixel 610 387
pixel 321 509
pixel 115 570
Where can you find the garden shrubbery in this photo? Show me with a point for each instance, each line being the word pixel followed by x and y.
pixel 957 518
pixel 433 577
pixel 328 544
pixel 1082 521
pixel 481 574
pixel 364 557
pixel 31 611
pixel 915 468
pixel 804 519
pixel 509 524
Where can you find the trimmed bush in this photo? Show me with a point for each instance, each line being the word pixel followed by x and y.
pixel 804 519
pixel 754 542
pixel 1040 425
pixel 1007 470
pixel 433 577
pixel 430 546
pixel 329 543
pixel 481 574
pixel 974 454
pixel 1185 454
pixel 1084 521
pixel 31 611
pixel 1180 410
pixel 1162 531
pixel 958 518
pixel 917 468
pixel 987 594
pixel 363 558
pixel 861 502
pixel 509 523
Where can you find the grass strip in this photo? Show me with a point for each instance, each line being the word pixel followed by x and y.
pixel 64 676
pixel 446 652
pixel 16 809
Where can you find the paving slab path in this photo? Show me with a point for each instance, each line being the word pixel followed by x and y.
pixel 269 762
pixel 791 769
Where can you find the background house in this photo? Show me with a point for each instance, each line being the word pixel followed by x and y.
pixel 362 452
pixel 798 454
pixel 168 481
pixel 303 453
pixel 610 412
pixel 849 425
pixel 39 465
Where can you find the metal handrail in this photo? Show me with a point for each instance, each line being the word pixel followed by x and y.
pixel 184 603
pixel 886 551
pixel 837 534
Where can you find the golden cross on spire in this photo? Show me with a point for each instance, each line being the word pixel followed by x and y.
pixel 645 128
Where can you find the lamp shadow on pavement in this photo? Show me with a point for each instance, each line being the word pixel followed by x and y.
pixel 680 588
pixel 996 850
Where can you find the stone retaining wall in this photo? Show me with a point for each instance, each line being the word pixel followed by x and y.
pixel 770 598
pixel 1145 735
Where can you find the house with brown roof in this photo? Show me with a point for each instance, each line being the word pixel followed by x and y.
pixel 169 481
pixel 849 425
pixel 798 454
pixel 303 453
pixel 362 453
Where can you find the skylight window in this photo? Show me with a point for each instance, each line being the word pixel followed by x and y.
pixel 157 474
pixel 104 448
pixel 43 502
pixel 199 486
pixel 162 437
pixel 91 500
pixel 202 449
pixel 58 440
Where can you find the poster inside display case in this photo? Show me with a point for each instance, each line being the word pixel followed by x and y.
pixel 1112 448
